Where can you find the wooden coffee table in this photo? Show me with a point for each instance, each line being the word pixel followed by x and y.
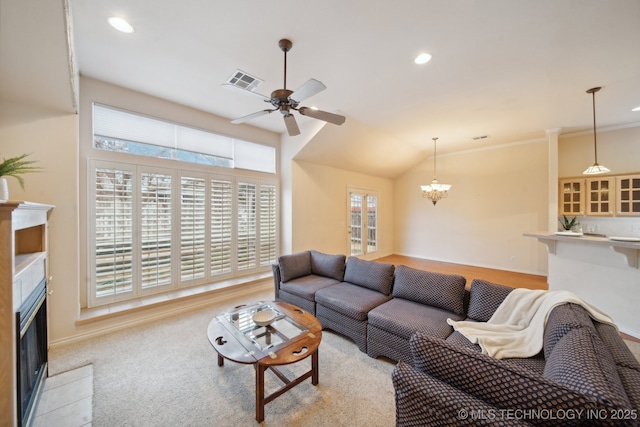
pixel 293 335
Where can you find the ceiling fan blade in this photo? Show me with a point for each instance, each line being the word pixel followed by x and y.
pixel 251 116
pixel 292 125
pixel 235 88
pixel 336 119
pixel 308 89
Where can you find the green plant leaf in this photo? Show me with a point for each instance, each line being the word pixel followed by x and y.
pixel 16 167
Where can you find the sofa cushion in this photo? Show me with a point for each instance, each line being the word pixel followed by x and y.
pixel 328 265
pixel 631 381
pixel 581 362
pixel 403 317
pixel 444 291
pixel 622 355
pixel 485 297
pixel 561 320
pixel 351 300
pixel 370 274
pixel 307 286
pixel 504 385
pixel 424 401
pixel 294 266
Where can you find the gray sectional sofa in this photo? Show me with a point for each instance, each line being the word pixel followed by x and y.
pixel 585 374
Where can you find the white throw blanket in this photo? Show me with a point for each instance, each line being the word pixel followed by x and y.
pixel 516 329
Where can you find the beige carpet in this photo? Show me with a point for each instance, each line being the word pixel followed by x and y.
pixel 165 374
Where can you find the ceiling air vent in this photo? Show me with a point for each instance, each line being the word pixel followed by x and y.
pixel 245 81
pixel 478 138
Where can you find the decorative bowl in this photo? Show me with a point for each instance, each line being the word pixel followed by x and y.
pixel 263 318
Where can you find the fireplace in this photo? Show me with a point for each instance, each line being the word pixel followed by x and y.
pixel 31 345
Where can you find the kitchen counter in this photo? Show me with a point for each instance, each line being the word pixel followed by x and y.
pixel 604 272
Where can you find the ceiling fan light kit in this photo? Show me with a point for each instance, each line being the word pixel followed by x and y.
pixel 596 168
pixel 286 101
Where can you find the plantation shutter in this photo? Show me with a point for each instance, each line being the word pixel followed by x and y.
pixel 246 242
pixel 113 231
pixel 221 226
pixel 372 223
pixel 356 224
pixel 192 228
pixel 155 229
pixel 268 219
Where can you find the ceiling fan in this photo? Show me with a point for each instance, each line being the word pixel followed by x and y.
pixel 285 100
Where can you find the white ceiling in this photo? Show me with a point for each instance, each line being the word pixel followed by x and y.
pixel 506 68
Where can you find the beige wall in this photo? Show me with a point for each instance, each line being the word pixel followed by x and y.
pixel 319 207
pixel 52 138
pixel 618 150
pixel 497 195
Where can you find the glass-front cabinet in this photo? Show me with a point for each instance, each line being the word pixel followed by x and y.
pixel 600 196
pixel 611 195
pixel 628 195
pixel 571 197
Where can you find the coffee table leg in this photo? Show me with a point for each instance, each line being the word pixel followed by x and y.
pixel 260 392
pixel 220 360
pixel 315 368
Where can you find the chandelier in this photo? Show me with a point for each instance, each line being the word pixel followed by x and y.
pixel 596 168
pixel 435 191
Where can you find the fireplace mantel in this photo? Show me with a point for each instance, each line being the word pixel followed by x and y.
pixel 23 265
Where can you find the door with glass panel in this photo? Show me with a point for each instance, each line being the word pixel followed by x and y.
pixel 362 222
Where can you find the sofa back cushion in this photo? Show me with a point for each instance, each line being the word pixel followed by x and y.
pixel 580 361
pixel 370 274
pixel 294 266
pixel 445 291
pixel 326 265
pixel 485 297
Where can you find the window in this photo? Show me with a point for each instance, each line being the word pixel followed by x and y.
pixel 363 231
pixel 157 229
pixel 126 132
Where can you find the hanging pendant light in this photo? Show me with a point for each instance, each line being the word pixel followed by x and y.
pixel 596 168
pixel 435 191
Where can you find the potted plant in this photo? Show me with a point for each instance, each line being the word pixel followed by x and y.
pixel 567 224
pixel 15 167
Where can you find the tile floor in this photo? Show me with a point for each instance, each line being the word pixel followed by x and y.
pixel 66 400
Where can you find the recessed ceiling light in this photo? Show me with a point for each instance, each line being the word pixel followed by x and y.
pixel 423 58
pixel 635 109
pixel 120 25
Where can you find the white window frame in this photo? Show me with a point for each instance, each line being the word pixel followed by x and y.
pixel 364 222
pixel 176 283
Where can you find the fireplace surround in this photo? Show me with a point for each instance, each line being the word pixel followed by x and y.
pixel 32 355
pixel 25 286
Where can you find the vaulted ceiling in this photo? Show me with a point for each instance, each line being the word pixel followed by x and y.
pixel 503 68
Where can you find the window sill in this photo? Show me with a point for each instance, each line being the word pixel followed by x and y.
pixel 114 310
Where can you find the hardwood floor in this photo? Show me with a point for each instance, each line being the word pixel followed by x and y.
pixel 503 277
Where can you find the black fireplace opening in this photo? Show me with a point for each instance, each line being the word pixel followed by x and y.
pixel 32 354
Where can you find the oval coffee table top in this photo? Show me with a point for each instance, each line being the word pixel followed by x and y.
pixel 293 335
